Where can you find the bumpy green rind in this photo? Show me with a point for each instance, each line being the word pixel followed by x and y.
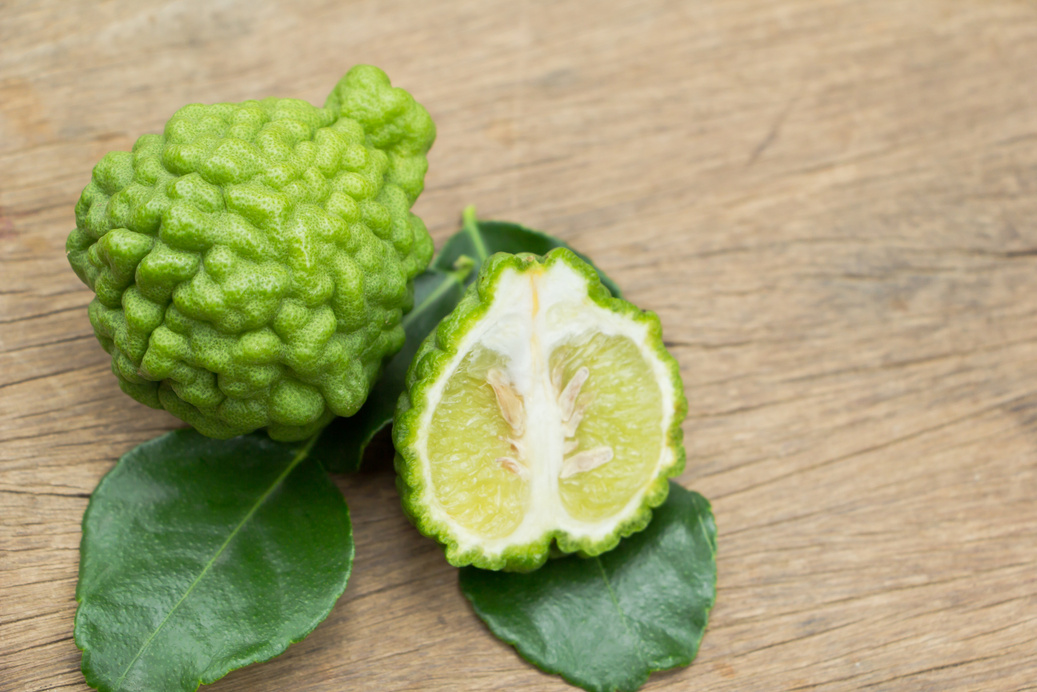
pixel 252 264
pixel 434 356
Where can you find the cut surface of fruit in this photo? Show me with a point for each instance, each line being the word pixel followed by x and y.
pixel 541 411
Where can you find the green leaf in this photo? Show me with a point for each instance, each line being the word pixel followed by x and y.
pixel 200 556
pixel 480 239
pixel 341 446
pixel 606 623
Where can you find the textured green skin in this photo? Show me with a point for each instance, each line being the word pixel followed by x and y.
pixel 436 353
pixel 606 623
pixel 252 264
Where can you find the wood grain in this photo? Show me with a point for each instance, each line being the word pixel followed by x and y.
pixel 832 205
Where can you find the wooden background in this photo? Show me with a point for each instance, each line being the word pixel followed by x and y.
pixel 832 205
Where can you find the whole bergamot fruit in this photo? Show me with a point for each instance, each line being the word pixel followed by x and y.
pixel 541 414
pixel 252 263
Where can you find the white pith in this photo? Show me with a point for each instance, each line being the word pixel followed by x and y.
pixel 532 313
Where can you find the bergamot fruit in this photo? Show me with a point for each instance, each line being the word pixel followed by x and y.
pixel 252 263
pixel 542 412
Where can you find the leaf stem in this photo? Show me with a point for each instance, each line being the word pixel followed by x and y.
pixel 458 275
pixel 462 268
pixel 471 229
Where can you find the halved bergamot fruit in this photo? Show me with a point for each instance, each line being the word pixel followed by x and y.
pixel 541 410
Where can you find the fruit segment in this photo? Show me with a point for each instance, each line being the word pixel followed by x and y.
pixel 472 455
pixel 542 411
pixel 613 433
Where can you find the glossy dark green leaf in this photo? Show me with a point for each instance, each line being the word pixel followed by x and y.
pixel 480 239
pixel 341 446
pixel 200 556
pixel 606 623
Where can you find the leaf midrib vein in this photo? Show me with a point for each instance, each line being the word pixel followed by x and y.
pixel 259 502
pixel 623 617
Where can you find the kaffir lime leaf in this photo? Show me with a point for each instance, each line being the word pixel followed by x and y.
pixel 542 410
